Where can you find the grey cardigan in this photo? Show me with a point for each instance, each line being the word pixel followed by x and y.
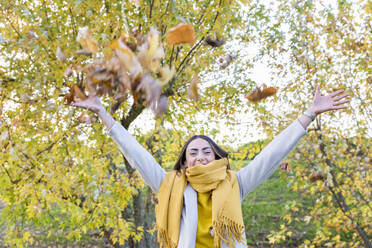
pixel 249 177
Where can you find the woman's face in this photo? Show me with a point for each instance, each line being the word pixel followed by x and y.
pixel 199 151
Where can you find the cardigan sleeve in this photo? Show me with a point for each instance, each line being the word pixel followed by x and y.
pixel 137 156
pixel 265 163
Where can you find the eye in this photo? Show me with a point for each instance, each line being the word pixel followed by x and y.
pixel 193 154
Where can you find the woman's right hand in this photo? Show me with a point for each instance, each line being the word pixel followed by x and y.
pixel 92 103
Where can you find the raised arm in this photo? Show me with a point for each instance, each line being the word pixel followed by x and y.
pixel 137 156
pixel 265 163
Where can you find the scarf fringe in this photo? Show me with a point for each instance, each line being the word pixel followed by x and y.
pixel 228 231
pixel 164 240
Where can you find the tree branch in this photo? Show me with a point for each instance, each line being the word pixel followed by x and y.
pixel 340 199
pixel 134 112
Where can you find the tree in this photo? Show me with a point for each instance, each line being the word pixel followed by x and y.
pixel 305 43
pixel 61 177
pixel 64 179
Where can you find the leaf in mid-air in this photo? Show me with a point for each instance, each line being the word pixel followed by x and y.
pixel 151 51
pixel 59 54
pixel 258 94
pixel 75 92
pixel 316 176
pixel 87 41
pixel 192 91
pixel 214 42
pixel 225 62
pixel 182 33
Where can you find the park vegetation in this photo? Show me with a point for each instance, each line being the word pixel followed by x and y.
pixel 62 180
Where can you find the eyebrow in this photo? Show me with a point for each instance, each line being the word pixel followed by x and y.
pixel 203 149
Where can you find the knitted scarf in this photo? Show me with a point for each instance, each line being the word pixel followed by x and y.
pixel 227 219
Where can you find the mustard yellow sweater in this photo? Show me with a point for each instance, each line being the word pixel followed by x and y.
pixel 203 236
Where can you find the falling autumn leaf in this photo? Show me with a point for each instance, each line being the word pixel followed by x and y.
pixel 127 59
pixel 149 89
pixel 226 61
pixel 284 167
pixel 192 92
pixel 161 106
pixel 151 51
pixel 60 56
pixel 86 40
pixel 83 52
pixel 166 74
pixel 75 92
pixel 68 71
pixel 258 94
pixel 214 42
pixel 121 71
pixel 270 91
pixel 316 176
pixel 182 33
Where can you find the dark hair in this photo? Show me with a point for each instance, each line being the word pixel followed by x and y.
pixel 218 151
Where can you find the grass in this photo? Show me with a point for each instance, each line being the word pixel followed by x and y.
pixel 264 208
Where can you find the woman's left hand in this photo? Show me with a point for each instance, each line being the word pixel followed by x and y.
pixel 332 101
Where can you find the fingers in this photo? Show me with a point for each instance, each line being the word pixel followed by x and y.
pixel 317 91
pixel 78 104
pixel 341 102
pixel 340 97
pixel 338 107
pixel 336 93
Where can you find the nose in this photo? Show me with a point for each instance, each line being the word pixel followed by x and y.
pixel 200 158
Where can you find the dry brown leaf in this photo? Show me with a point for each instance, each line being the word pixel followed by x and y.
pixel 316 176
pixel 151 52
pixel 84 52
pixel 59 54
pixel 285 167
pixel 254 96
pixel 269 91
pixel 139 38
pixel 227 61
pixel 127 59
pixel 86 40
pixel 75 92
pixel 192 91
pixel 68 71
pixel 100 75
pixel 78 92
pixel 161 106
pixel 166 74
pixel 150 90
pixel 90 86
pixel 258 94
pixel 214 42
pixel 120 45
pixel 182 33
pixel 120 71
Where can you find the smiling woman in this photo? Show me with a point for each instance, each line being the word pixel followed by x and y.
pixel 200 199
pixel 199 149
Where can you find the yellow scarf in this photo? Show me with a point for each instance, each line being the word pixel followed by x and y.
pixel 227 219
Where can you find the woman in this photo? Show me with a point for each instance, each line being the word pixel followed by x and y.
pixel 199 201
